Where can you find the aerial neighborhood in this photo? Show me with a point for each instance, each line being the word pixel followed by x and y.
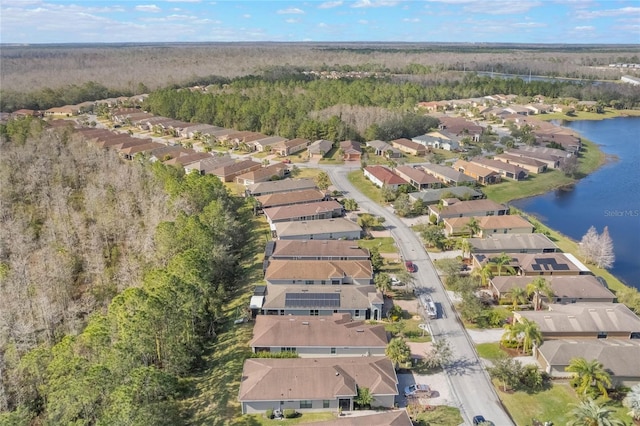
pixel 321 320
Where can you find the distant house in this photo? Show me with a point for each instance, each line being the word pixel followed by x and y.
pixel 263 174
pixel 352 151
pixel 315 250
pixel 208 165
pixel 309 211
pixel 228 172
pixel 433 196
pixel 457 208
pixel 323 229
pixel 290 198
pixel 409 146
pixel 513 243
pixel 566 289
pixel 66 111
pixel 538 264
pixel 183 160
pixel 529 164
pixel 585 321
pixel 481 174
pixel 319 272
pixel 319 148
pixel 359 301
pixel 382 176
pixel 320 384
pixel 461 127
pixel 552 157
pixel 284 185
pixel 619 357
pixel 265 144
pixel 505 170
pixel 384 149
pixel 290 147
pixel 417 178
pixel 447 175
pixel 489 225
pixel 439 140
pixel 316 336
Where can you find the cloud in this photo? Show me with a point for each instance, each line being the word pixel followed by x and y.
pixel 529 25
pixel 183 1
pixel 502 7
pixel 330 4
pixel 363 22
pixel 374 3
pixel 588 14
pixel 246 16
pixel 411 20
pixel 585 28
pixel 322 25
pixel 292 21
pixel 147 8
pixel 291 11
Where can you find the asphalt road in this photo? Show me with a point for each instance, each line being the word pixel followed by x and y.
pixel 469 381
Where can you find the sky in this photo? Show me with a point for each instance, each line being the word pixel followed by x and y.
pixel 497 21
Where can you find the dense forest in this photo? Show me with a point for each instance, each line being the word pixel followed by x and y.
pixel 30 74
pixel 296 105
pixel 113 278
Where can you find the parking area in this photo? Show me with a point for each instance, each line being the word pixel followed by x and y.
pixel 440 391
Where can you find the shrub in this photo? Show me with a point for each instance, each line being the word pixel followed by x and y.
pixel 269 413
pixel 289 413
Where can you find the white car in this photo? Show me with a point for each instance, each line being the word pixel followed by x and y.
pixel 395 281
pixel 417 389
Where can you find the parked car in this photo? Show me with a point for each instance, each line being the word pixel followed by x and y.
pixel 417 389
pixel 395 281
pixel 480 420
pixel 286 161
pixel 410 266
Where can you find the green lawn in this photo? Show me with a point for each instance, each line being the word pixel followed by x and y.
pixel 441 415
pixel 582 115
pixel 553 405
pixel 261 420
pixel 490 351
pixel 383 244
pixel 549 405
pixel 332 157
pixel 365 186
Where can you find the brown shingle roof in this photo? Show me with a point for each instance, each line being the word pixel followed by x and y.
pixel 463 207
pixel 317 248
pixel 293 197
pixel 351 296
pixel 417 175
pixel 315 378
pixel 385 175
pixel 317 269
pixel 574 286
pixel 322 226
pixel 301 210
pixel 314 331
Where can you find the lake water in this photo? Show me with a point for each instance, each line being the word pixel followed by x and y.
pixel 608 197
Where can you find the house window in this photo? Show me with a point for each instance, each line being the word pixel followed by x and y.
pixel 287 349
pixel 313 312
pixel 356 314
pixel 308 282
pixel 326 403
pixel 602 335
pixel 305 404
pixel 335 282
pixel 323 282
pixel 333 352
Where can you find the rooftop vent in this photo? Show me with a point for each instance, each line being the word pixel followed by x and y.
pixel 305 322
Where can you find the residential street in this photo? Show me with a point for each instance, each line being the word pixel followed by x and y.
pixel 469 381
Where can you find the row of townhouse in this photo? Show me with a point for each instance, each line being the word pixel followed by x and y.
pixel 579 317
pixel 318 292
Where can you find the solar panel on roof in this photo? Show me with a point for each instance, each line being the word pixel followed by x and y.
pixel 312 300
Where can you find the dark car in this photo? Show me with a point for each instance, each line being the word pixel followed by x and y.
pixel 410 266
pixel 480 420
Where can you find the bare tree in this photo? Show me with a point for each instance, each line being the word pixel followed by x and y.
pixel 597 248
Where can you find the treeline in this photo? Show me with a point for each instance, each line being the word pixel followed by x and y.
pixel 287 106
pixel 124 366
pixel 72 94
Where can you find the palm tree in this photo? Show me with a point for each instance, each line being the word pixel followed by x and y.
pixel 485 274
pixel 472 227
pixel 512 333
pixel 465 246
pixel 502 261
pixel 590 413
pixel 398 351
pixel 518 296
pixel 590 378
pixel 536 288
pixel 382 282
pixel 531 335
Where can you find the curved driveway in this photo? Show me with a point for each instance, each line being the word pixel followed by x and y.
pixel 468 379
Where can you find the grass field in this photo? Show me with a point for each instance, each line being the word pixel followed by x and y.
pixel 442 415
pixel 582 115
pixel 332 157
pixel 383 244
pixel 260 420
pixel 365 186
pixel 490 351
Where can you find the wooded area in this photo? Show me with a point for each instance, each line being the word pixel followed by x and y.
pixel 31 74
pixel 113 277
